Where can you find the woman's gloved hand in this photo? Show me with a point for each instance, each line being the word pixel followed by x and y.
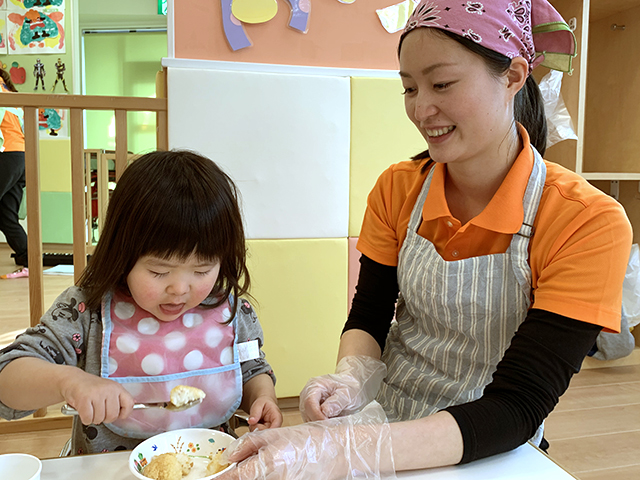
pixel 345 448
pixel 354 385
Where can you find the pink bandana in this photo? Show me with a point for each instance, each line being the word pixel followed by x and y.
pixel 531 29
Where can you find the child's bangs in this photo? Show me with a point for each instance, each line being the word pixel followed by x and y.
pixel 181 226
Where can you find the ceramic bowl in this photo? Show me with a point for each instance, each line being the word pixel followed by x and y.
pixel 20 466
pixel 198 443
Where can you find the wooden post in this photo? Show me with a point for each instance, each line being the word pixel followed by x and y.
pixel 162 130
pixel 77 192
pixel 34 225
pixel 122 148
pixel 162 134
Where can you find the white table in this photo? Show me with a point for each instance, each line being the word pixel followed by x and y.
pixel 523 463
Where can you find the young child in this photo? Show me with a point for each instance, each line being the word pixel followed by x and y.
pixel 159 305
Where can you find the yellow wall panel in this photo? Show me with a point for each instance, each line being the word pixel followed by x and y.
pixel 381 134
pixel 55 165
pixel 301 290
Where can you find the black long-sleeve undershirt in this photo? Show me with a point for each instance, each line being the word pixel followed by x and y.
pixel 545 352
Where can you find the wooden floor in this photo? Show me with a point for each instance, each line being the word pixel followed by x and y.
pixel 594 432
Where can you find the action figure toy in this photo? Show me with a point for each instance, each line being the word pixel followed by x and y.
pixel 39 73
pixel 60 69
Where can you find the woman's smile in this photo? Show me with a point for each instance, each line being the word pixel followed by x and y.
pixel 436 135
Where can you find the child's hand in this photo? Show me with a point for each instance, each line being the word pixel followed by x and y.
pixel 264 414
pixel 97 400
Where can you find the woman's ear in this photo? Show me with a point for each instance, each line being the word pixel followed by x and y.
pixel 517 74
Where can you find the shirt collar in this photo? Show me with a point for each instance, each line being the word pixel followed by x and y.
pixel 505 212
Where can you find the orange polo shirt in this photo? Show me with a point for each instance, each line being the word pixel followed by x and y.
pixel 11 129
pixel 578 253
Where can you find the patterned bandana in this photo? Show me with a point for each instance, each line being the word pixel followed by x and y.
pixel 531 29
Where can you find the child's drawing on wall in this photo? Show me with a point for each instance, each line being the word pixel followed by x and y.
pixel 3 33
pixel 52 123
pixel 27 4
pixel 36 32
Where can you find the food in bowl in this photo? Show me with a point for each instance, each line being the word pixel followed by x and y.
pixel 216 465
pixel 168 466
pixel 183 394
pixel 201 447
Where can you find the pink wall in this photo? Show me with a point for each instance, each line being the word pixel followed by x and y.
pixel 339 35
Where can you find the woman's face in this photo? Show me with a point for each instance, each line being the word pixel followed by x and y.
pixel 463 112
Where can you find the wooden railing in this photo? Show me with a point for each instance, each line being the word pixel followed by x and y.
pixel 76 104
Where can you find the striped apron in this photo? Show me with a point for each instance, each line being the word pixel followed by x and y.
pixel 454 319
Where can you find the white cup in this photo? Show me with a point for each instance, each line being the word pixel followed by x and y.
pixel 20 466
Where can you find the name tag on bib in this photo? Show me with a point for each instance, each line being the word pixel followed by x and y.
pixel 248 350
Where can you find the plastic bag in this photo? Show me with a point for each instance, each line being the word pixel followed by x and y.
pixel 617 345
pixel 631 287
pixel 559 124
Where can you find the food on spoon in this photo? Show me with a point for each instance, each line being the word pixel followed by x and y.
pixel 216 465
pixel 168 466
pixel 183 394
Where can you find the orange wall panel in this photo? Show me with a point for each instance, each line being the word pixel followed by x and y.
pixel 339 35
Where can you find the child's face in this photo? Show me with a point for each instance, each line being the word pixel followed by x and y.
pixel 168 288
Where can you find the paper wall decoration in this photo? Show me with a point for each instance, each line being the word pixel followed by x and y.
pixel 395 17
pixel 300 10
pixel 3 33
pixel 254 11
pixel 3 4
pixel 36 32
pixel 18 74
pixel 52 123
pixel 235 12
pixel 21 5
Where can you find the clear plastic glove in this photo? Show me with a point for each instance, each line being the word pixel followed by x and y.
pixel 345 448
pixel 355 383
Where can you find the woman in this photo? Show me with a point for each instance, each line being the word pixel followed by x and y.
pixel 12 179
pixel 507 266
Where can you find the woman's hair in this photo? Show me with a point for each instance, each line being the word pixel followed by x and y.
pixel 6 77
pixel 170 205
pixel 528 103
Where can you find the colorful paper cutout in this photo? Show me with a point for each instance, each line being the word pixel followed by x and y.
pixel 52 123
pixel 36 32
pixel 233 30
pixel 254 11
pixel 235 12
pixel 395 17
pixel 300 10
pixel 18 74
pixel 3 33
pixel 3 5
pixel 17 5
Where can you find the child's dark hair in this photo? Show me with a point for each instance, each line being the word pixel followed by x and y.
pixel 6 78
pixel 170 204
pixel 528 103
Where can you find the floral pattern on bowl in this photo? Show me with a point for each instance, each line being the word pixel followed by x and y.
pixel 194 442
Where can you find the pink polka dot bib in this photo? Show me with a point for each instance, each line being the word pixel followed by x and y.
pixel 149 357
